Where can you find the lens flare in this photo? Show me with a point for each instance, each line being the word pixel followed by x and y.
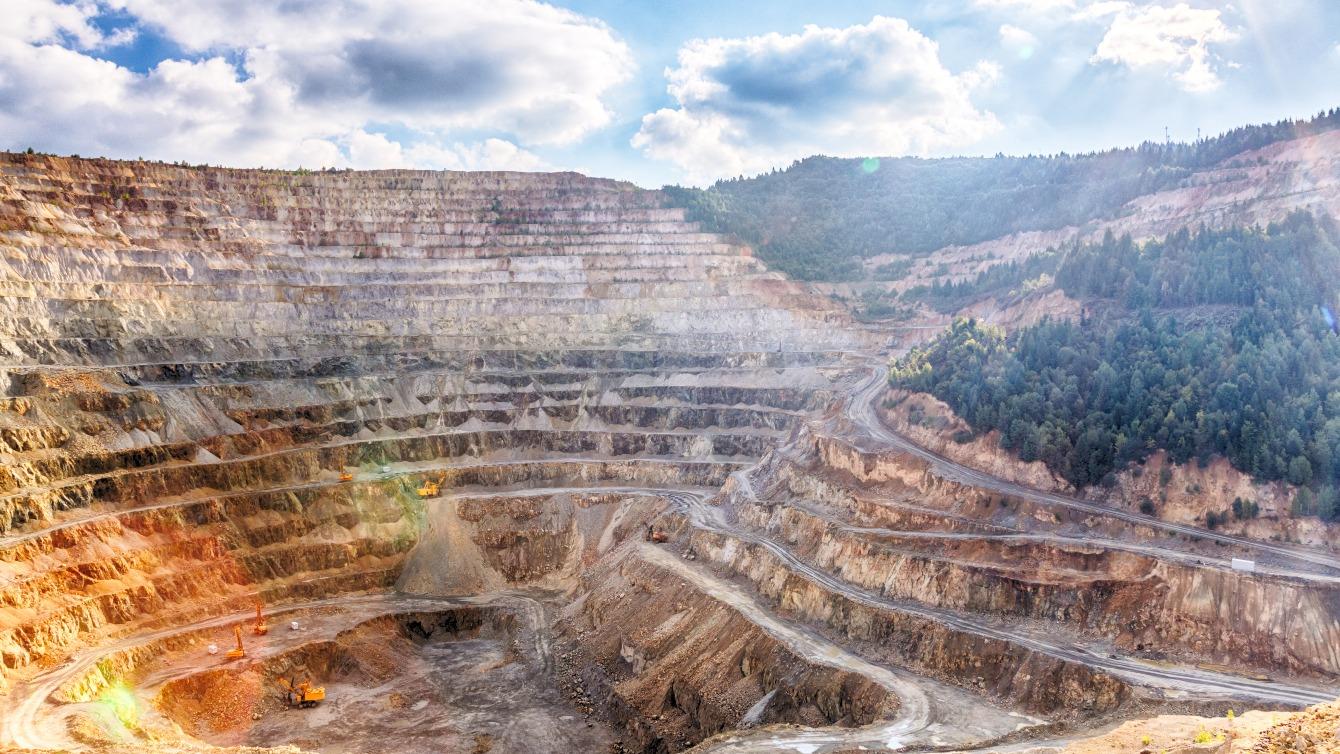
pixel 870 164
pixel 118 701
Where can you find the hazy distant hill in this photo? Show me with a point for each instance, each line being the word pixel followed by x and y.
pixel 824 218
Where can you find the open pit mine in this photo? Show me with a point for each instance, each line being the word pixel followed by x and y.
pixel 401 461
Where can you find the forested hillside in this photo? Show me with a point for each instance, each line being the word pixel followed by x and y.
pixel 1251 373
pixel 819 218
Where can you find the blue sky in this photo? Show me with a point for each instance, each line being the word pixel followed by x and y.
pixel 661 92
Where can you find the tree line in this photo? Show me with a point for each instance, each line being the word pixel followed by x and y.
pixel 1212 343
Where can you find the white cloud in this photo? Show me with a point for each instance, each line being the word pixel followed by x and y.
pixel 1176 39
pixel 47 21
pixel 746 105
pixel 1019 41
pixel 1014 36
pixel 520 66
pixel 1101 10
pixel 489 154
pixel 313 83
pixel 375 150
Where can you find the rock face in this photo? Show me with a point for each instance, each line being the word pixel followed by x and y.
pixel 677 668
pixel 960 548
pixel 193 357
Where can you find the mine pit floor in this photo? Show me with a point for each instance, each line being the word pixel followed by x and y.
pixel 487 692
pixel 485 689
pixel 464 695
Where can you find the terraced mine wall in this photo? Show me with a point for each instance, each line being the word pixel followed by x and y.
pixel 221 383
pixel 349 390
pixel 917 533
pixel 675 668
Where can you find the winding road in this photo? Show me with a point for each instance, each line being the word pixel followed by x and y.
pixel 913 714
pixel 861 411
pixel 1179 680
pixel 22 722
pixel 1016 536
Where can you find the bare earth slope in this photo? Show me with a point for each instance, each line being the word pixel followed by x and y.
pixel 1257 186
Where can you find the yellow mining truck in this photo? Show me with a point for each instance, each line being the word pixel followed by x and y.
pixel 430 489
pixel 302 694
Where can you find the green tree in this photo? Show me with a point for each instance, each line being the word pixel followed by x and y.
pixel 1300 471
pixel 1258 382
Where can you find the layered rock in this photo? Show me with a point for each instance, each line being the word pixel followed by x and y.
pixel 888 522
pixel 222 383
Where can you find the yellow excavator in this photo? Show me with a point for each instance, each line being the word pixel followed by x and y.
pixel 430 489
pixel 237 652
pixel 302 694
pixel 346 476
pixel 260 627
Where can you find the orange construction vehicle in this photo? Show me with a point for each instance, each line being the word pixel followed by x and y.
pixel 302 694
pixel 237 652
pixel 260 627
pixel 346 476
pixel 430 489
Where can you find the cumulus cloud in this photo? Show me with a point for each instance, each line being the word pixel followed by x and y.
pixel 1176 39
pixel 463 84
pixel 748 104
pixel 520 66
pixel 47 21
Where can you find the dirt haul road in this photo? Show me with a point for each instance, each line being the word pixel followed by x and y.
pixel 25 721
pixel 862 413
pixel 1179 681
